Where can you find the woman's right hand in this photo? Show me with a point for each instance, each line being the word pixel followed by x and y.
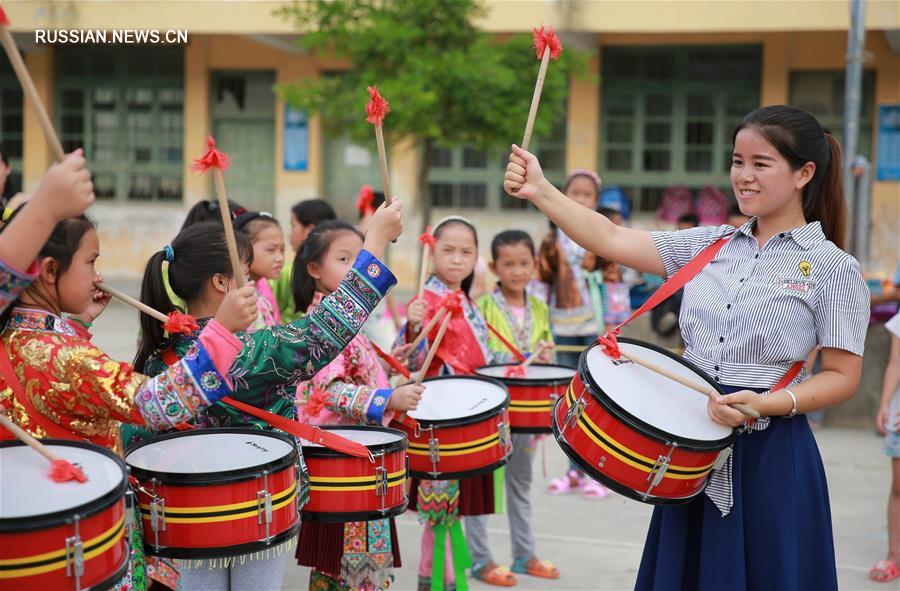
pixel 238 309
pixel 406 398
pixel 66 189
pixel 523 176
pixel 386 225
pixel 415 312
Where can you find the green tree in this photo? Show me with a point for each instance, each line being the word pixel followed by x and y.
pixel 447 82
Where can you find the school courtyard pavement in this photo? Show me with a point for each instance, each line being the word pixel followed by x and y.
pixel 597 543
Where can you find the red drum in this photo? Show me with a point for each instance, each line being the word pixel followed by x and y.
pixel 215 492
pixel 531 396
pixel 344 488
pixel 61 535
pixel 637 432
pixel 464 428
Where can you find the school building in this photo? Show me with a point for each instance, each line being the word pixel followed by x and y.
pixel 669 81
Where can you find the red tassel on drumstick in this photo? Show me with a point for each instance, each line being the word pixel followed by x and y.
pixel 219 162
pixel 547 46
pixel 60 470
pixel 31 94
pixel 376 110
pixel 521 370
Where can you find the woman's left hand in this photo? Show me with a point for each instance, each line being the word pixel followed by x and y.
pixel 720 412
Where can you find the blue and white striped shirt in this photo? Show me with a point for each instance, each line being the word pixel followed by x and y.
pixel 753 312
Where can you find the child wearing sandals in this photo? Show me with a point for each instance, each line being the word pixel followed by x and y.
pixel 524 320
pixel 888 422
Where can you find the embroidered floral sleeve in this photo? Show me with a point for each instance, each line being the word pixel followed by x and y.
pixel 13 282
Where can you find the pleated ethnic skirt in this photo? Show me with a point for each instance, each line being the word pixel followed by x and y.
pixel 778 535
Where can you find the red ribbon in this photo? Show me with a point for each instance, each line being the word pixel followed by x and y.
pixel 179 323
pixel 213 158
pixel 452 302
pixel 390 360
pixel 4 20
pixel 365 200
pixel 427 239
pixel 513 349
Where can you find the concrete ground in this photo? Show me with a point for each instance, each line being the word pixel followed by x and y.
pixel 597 543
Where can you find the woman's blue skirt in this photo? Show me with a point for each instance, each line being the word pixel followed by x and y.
pixel 778 535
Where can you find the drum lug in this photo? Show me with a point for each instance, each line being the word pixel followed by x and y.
pixel 130 500
pixel 503 431
pixel 721 458
pixel 434 451
pixel 658 471
pixel 575 412
pixel 157 518
pixel 264 507
pixel 554 396
pixel 75 556
pixel 381 481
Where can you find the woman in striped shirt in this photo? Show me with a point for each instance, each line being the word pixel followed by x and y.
pixel 778 288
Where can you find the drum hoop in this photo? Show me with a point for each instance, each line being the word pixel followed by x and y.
pixel 222 551
pixel 319 451
pixel 62 517
pixel 608 482
pixel 214 478
pixel 469 420
pixel 519 381
pixel 644 427
pixel 326 517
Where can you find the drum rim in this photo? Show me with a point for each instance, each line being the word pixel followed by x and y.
pixel 518 381
pixel 637 424
pixel 320 452
pixel 609 482
pixel 213 478
pixel 222 551
pixel 477 418
pixel 62 517
pixel 327 517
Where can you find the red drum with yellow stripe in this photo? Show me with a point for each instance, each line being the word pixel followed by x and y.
pixel 215 492
pixel 637 432
pixel 532 395
pixel 463 428
pixel 343 488
pixel 61 535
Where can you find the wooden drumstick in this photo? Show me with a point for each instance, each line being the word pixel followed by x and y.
pixel 61 470
pixel 434 347
pixel 705 390
pixel 533 357
pixel 133 302
pixel 423 334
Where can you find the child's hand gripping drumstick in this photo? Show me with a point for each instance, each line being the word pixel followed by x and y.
pixel 423 334
pixel 521 370
pixel 60 470
pixel 705 390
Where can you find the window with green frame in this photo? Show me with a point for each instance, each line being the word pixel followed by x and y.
pixel 470 177
pixel 125 107
pixel 11 119
pixel 821 93
pixel 667 115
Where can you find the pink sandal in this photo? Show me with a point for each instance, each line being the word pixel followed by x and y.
pixel 593 490
pixel 884 571
pixel 568 483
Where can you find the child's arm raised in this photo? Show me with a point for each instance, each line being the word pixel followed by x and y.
pixel 524 179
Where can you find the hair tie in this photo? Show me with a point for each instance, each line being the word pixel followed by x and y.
pixel 170 254
pixel 7 213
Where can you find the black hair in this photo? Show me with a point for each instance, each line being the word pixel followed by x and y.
pixel 251 223
pixel 466 284
pixel 735 210
pixel 689 218
pixel 377 200
pixel 200 251
pixel 609 212
pixel 4 154
pixel 61 246
pixel 208 211
pixel 303 285
pixel 510 238
pixel 799 138
pixel 313 211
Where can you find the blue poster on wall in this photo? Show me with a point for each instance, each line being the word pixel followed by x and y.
pixel 296 140
pixel 888 168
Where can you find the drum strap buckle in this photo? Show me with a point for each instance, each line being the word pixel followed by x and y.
pixel 264 507
pixel 75 556
pixel 575 412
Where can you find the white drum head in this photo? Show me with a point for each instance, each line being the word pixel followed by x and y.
pixel 458 398
pixel 208 451
pixel 532 372
pixel 652 398
pixel 27 491
pixel 367 437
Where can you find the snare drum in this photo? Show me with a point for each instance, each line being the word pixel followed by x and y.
pixel 215 492
pixel 344 488
pixel 61 535
pixel 464 428
pixel 637 432
pixel 531 397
